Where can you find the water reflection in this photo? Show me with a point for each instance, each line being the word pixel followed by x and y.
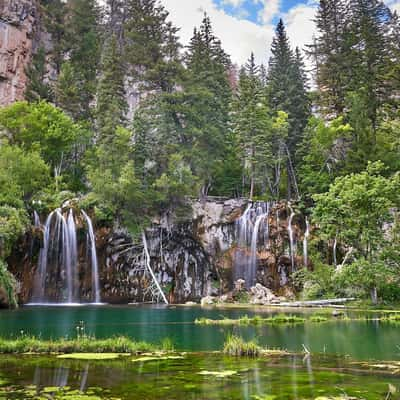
pixel 153 324
pixel 292 378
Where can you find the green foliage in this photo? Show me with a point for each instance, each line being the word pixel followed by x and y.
pixel 324 148
pixel 44 128
pixel 76 86
pixel 356 207
pixel 176 183
pixel 38 87
pixel 7 283
pixel 111 106
pixel 22 174
pixel 13 223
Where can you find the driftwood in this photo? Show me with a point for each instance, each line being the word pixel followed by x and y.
pixel 316 303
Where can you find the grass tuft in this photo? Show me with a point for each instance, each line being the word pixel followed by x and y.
pixel 236 346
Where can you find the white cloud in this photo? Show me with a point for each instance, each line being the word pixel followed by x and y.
pixel 239 36
pixel 300 24
pixel 270 10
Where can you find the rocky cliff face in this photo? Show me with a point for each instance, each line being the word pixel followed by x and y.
pixel 17 29
pixel 191 258
pixel 21 34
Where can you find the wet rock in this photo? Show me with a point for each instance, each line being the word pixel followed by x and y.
pixel 262 295
pixel 240 285
pixel 207 301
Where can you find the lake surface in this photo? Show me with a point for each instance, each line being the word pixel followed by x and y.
pixel 361 340
pixel 194 377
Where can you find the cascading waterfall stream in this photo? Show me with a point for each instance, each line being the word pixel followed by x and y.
pixel 57 272
pixel 73 254
pixel 305 243
pixel 37 222
pixel 250 227
pixel 291 238
pixel 93 255
pixel 253 257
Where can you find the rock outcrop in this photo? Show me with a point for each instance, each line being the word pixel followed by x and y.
pixel 17 28
pixel 192 257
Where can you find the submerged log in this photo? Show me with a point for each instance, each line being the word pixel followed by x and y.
pixel 316 303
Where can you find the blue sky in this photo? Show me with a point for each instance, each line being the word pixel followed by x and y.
pixel 246 26
pixel 252 10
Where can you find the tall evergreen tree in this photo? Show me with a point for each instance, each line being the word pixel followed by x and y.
pixel 368 59
pixel 111 105
pixel 83 49
pixel 252 123
pixel 206 103
pixel 287 92
pixel 38 87
pixel 328 52
pixel 152 47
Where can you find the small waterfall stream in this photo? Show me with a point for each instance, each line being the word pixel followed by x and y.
pixel 56 278
pixel 93 256
pixel 291 238
pixel 305 243
pixel 252 230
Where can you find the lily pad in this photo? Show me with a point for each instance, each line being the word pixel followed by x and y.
pixel 91 356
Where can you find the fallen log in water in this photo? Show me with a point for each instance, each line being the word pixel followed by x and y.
pixel 316 303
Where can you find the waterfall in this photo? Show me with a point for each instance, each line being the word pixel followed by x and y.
pixel 291 238
pixel 244 225
pixel 40 279
pixel 57 272
pixel 251 277
pixel 335 252
pixel 36 219
pixel 305 243
pixel 66 254
pixel 250 227
pixel 93 254
pixel 73 255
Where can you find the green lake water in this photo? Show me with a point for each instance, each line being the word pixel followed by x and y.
pixel 340 367
pixel 362 340
pixel 196 377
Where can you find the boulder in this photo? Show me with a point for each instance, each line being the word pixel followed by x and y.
pixel 262 295
pixel 207 301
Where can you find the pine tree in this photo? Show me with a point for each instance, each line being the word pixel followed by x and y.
pixel 151 46
pixel 38 87
pixel 111 106
pixel 253 125
pixel 54 16
pixel 206 103
pixel 287 90
pixel 368 36
pixel 83 49
pixel 329 54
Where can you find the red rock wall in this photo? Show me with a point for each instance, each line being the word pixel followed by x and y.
pixel 18 20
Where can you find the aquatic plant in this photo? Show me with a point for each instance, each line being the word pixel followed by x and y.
pixel 318 318
pixel 32 344
pixel 237 346
pixel 256 320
